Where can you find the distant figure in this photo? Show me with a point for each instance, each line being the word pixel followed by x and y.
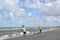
pixel 24 30
pixel 40 29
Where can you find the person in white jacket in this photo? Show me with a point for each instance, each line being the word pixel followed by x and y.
pixel 24 30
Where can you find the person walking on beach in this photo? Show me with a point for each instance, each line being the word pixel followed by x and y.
pixel 39 29
pixel 24 30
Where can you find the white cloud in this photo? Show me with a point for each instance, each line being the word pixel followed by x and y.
pixel 21 12
pixel 11 16
pixel 31 18
pixel 27 18
pixel 58 19
pixel 30 14
pixel 1 6
pixel 0 17
pixel 48 8
pixel 14 11
pixel 16 14
pixel 52 20
pixel 49 4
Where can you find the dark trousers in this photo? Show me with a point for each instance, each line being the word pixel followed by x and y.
pixel 24 32
pixel 40 30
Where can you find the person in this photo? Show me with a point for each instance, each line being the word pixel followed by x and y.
pixel 40 29
pixel 24 30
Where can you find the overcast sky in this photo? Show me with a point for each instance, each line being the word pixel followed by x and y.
pixel 14 13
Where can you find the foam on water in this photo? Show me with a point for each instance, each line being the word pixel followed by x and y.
pixel 21 34
pixel 3 37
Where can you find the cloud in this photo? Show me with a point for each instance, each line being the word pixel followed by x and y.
pixel 0 17
pixel 13 11
pixel 58 19
pixel 21 12
pixel 48 8
pixel 15 14
pixel 31 18
pixel 51 10
pixel 27 18
pixel 52 20
pixel 0 6
pixel 28 4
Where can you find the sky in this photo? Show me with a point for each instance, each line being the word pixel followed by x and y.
pixel 30 13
